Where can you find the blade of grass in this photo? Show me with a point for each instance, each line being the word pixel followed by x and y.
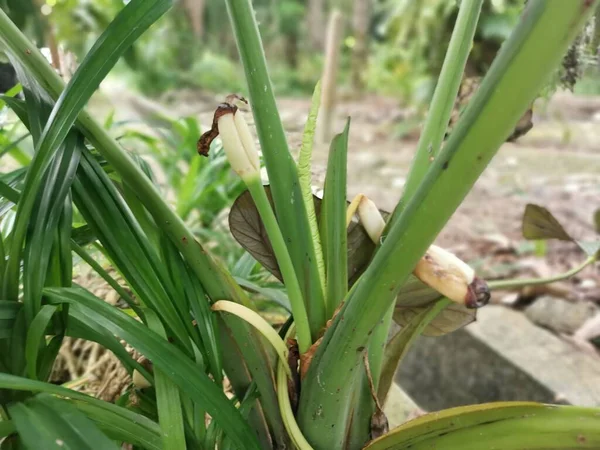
pixel 168 404
pixel 283 175
pixel 139 425
pixel 164 356
pixel 333 222
pixel 216 281
pixel 129 24
pixel 47 422
pixel 447 87
pixel 36 339
pixel 522 66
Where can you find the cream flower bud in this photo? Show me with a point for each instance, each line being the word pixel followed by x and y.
pixel 139 381
pixel 452 277
pixel 371 218
pixel 239 144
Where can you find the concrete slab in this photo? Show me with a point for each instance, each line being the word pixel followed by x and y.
pixel 502 356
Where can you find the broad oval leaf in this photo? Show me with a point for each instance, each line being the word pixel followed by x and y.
pixel 415 297
pixel 450 319
pixel 539 223
pixel 502 425
pixel 247 228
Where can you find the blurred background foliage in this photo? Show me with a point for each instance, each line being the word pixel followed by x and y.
pixel 390 47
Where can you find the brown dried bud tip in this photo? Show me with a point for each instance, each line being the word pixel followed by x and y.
pixel 229 107
pixel 478 294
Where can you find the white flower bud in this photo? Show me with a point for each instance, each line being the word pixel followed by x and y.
pixel 239 145
pixel 452 277
pixel 139 381
pixel 371 219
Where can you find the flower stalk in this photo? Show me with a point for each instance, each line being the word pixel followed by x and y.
pixel 438 268
pixel 243 157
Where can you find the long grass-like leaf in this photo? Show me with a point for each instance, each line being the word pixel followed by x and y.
pixel 49 423
pixel 129 24
pixel 35 338
pixel 333 222
pixel 168 403
pixel 24 384
pixel 164 356
pixel 305 176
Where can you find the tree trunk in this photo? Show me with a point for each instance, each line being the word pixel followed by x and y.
pixel 360 53
pixel 316 23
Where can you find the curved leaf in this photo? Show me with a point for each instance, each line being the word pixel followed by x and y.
pixel 50 423
pixel 168 358
pixel 506 426
pixel 134 427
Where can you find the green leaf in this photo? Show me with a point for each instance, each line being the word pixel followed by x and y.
pixel 138 429
pixel 506 426
pixel 120 429
pixel 50 423
pixel 399 344
pixel 7 427
pixel 44 222
pixel 332 222
pixel 446 90
pixel 597 220
pixel 36 338
pixel 539 223
pixel 164 356
pixel 168 404
pixel 129 24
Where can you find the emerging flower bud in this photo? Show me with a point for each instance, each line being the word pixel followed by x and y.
pixel 370 218
pixel 438 269
pixel 139 381
pixel 452 277
pixel 239 144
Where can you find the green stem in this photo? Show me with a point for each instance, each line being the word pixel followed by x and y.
pixel 291 211
pixel 283 259
pixel 516 283
pixel 442 102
